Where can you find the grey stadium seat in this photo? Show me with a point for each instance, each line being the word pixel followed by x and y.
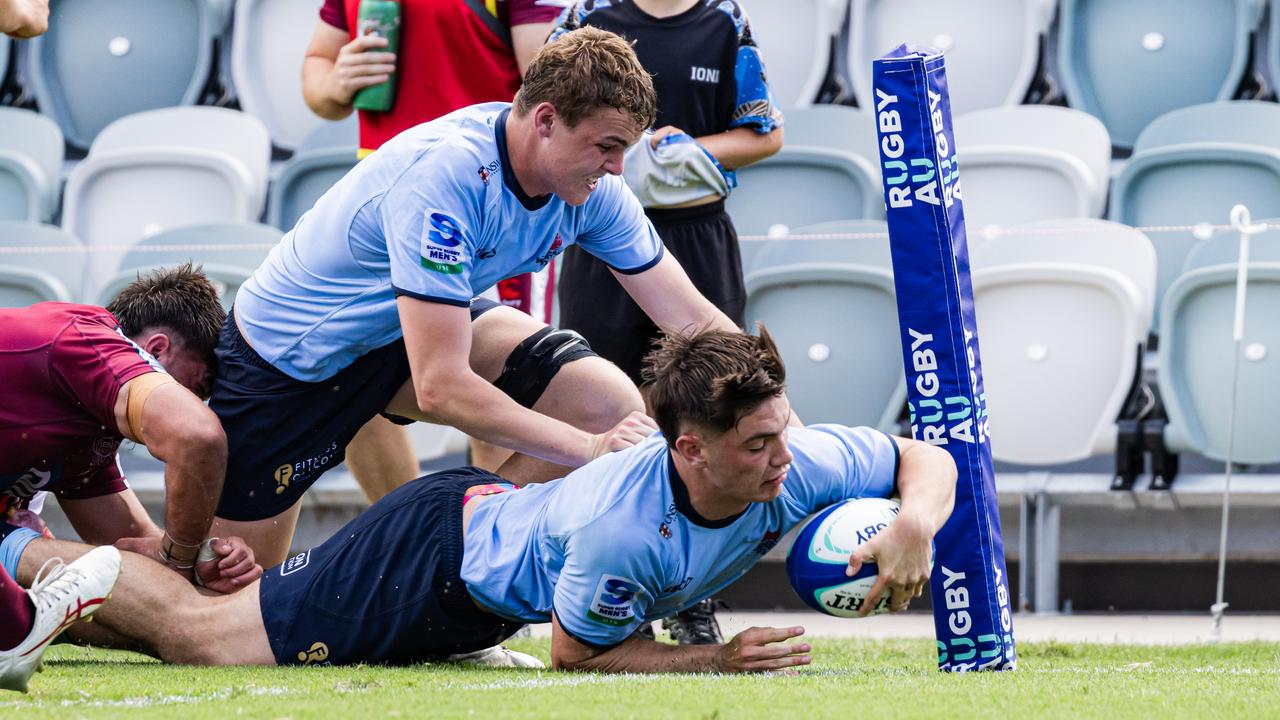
pixel 1130 62
pixel 1197 352
pixel 833 127
pixel 992 46
pixel 228 252
pixel 31 153
pixel 103 60
pixel 163 169
pixel 802 185
pixel 54 271
pixel 1192 166
pixel 795 40
pixel 1031 162
pixel 830 305
pixel 1062 308
pixel 327 154
pixel 268 42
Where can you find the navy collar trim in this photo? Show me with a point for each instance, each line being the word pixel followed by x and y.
pixel 508 174
pixel 680 495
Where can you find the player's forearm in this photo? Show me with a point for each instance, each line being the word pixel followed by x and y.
pixel 639 655
pixel 193 484
pixel 482 411
pixel 742 146
pixel 926 485
pixel 321 91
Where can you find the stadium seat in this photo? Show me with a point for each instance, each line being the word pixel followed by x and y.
pixel 1197 351
pixel 1028 163
pixel 102 61
pixel 802 185
pixel 5 44
pixel 31 152
pixel 52 270
pixel 830 305
pixel 1062 308
pixel 228 252
pixel 834 127
pixel 795 40
pixel 163 169
pixel 992 46
pixel 1130 62
pixel 327 154
pixel 1192 166
pixel 269 40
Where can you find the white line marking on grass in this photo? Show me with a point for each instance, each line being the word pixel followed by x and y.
pixel 145 701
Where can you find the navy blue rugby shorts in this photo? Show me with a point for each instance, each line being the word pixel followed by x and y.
pixel 386 588
pixel 283 433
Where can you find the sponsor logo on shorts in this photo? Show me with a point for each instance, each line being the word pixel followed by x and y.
pixel 317 654
pixel 283 474
pixel 442 250
pixel 614 601
pixel 295 563
pixel 294 473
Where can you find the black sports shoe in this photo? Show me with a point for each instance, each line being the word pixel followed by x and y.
pixel 695 625
pixel 645 631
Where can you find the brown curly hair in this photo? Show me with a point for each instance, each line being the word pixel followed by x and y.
pixel 585 70
pixel 180 300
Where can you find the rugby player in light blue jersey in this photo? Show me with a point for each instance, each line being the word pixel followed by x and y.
pixel 457 561
pixel 366 306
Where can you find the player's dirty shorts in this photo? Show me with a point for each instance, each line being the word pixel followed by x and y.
pixel 283 433
pixel 386 587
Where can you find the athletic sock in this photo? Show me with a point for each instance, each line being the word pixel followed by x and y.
pixel 17 614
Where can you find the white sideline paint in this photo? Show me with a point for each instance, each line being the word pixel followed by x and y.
pixel 1109 628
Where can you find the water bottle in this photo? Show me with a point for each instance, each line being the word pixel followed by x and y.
pixel 381 18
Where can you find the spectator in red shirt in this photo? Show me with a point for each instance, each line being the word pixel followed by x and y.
pixel 78 380
pixel 453 53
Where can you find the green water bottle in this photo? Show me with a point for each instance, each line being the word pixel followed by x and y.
pixel 381 18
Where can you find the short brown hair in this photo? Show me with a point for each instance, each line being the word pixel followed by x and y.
pixel 180 300
pixel 585 70
pixel 710 379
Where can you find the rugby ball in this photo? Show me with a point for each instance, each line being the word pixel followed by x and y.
pixel 817 561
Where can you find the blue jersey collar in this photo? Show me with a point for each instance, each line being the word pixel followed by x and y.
pixel 509 175
pixel 680 495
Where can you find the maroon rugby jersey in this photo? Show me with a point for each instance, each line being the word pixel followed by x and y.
pixel 61 369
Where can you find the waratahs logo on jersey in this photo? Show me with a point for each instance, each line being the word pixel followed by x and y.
pixel 442 248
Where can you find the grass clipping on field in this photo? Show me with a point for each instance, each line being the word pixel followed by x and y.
pixel 849 679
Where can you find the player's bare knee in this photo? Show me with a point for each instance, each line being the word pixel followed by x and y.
pixel 612 395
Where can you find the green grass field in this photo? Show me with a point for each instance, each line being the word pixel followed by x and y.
pixel 849 679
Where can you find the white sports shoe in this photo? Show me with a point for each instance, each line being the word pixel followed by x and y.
pixel 497 656
pixel 62 595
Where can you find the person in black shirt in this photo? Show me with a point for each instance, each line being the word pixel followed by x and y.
pixel 715 114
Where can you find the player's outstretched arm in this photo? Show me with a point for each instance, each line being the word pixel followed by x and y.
pixel 757 649
pixel 446 389
pixel 669 298
pixel 903 552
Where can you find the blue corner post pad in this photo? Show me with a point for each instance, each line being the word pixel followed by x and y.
pixel 940 353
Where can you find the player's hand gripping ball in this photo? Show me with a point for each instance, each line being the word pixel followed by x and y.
pixel 817 562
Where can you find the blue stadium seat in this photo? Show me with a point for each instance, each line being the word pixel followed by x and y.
pixel 802 185
pixel 1027 163
pixel 1192 166
pixel 1130 62
pixel 228 252
pixel 327 154
pixel 830 305
pixel 103 60
pixel 1062 308
pixel 50 264
pixel 992 46
pixel 31 152
pixel 162 169
pixel 268 42
pixel 1197 352
pixel 795 40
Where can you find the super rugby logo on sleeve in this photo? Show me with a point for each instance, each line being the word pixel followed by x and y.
pixel 614 601
pixel 442 248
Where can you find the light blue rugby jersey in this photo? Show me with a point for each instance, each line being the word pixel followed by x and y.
pixel 434 214
pixel 616 543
